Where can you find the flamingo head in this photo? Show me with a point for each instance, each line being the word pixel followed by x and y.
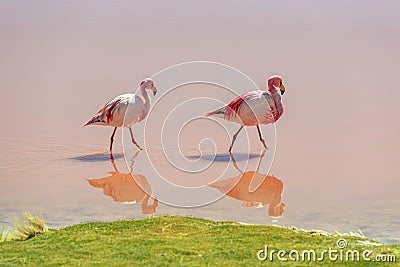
pixel 148 84
pixel 276 82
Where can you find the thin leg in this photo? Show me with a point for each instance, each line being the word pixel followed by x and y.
pixel 133 139
pixel 261 138
pixel 112 138
pixel 234 138
pixel 259 161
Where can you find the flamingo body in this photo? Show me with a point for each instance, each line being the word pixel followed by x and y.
pixel 254 108
pixel 251 109
pixel 125 110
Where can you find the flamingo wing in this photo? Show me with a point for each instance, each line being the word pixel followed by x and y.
pixel 253 108
pixel 117 106
pixel 109 109
pixel 234 107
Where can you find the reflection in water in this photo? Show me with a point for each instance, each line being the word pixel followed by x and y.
pixel 268 189
pixel 127 188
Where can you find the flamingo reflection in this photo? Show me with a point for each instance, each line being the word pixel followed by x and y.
pixel 127 188
pixel 268 191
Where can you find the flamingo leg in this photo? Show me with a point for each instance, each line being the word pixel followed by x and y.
pixel 234 138
pixel 112 138
pixel 261 138
pixel 133 139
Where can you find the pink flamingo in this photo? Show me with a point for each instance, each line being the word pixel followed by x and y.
pixel 254 108
pixel 117 114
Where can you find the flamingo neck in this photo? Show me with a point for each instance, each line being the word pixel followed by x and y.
pixel 144 94
pixel 277 100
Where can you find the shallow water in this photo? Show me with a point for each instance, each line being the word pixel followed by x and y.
pixel 336 144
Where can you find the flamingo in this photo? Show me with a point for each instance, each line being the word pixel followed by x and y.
pixel 117 114
pixel 254 108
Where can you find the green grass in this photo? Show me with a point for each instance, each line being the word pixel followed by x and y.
pixel 173 241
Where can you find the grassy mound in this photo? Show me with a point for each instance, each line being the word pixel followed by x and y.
pixel 177 241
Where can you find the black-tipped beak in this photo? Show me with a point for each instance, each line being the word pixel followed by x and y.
pixel 282 88
pixel 154 89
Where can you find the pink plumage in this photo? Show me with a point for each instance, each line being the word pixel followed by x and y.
pixel 234 106
pixel 255 107
pixel 106 113
pixel 125 110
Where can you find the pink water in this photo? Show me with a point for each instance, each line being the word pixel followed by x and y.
pixel 337 143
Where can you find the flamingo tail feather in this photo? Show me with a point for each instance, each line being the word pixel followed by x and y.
pixel 93 121
pixel 220 111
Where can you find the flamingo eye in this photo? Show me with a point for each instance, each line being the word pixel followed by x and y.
pixel 280 84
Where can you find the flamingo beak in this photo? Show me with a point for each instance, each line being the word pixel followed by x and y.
pixel 154 89
pixel 282 88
